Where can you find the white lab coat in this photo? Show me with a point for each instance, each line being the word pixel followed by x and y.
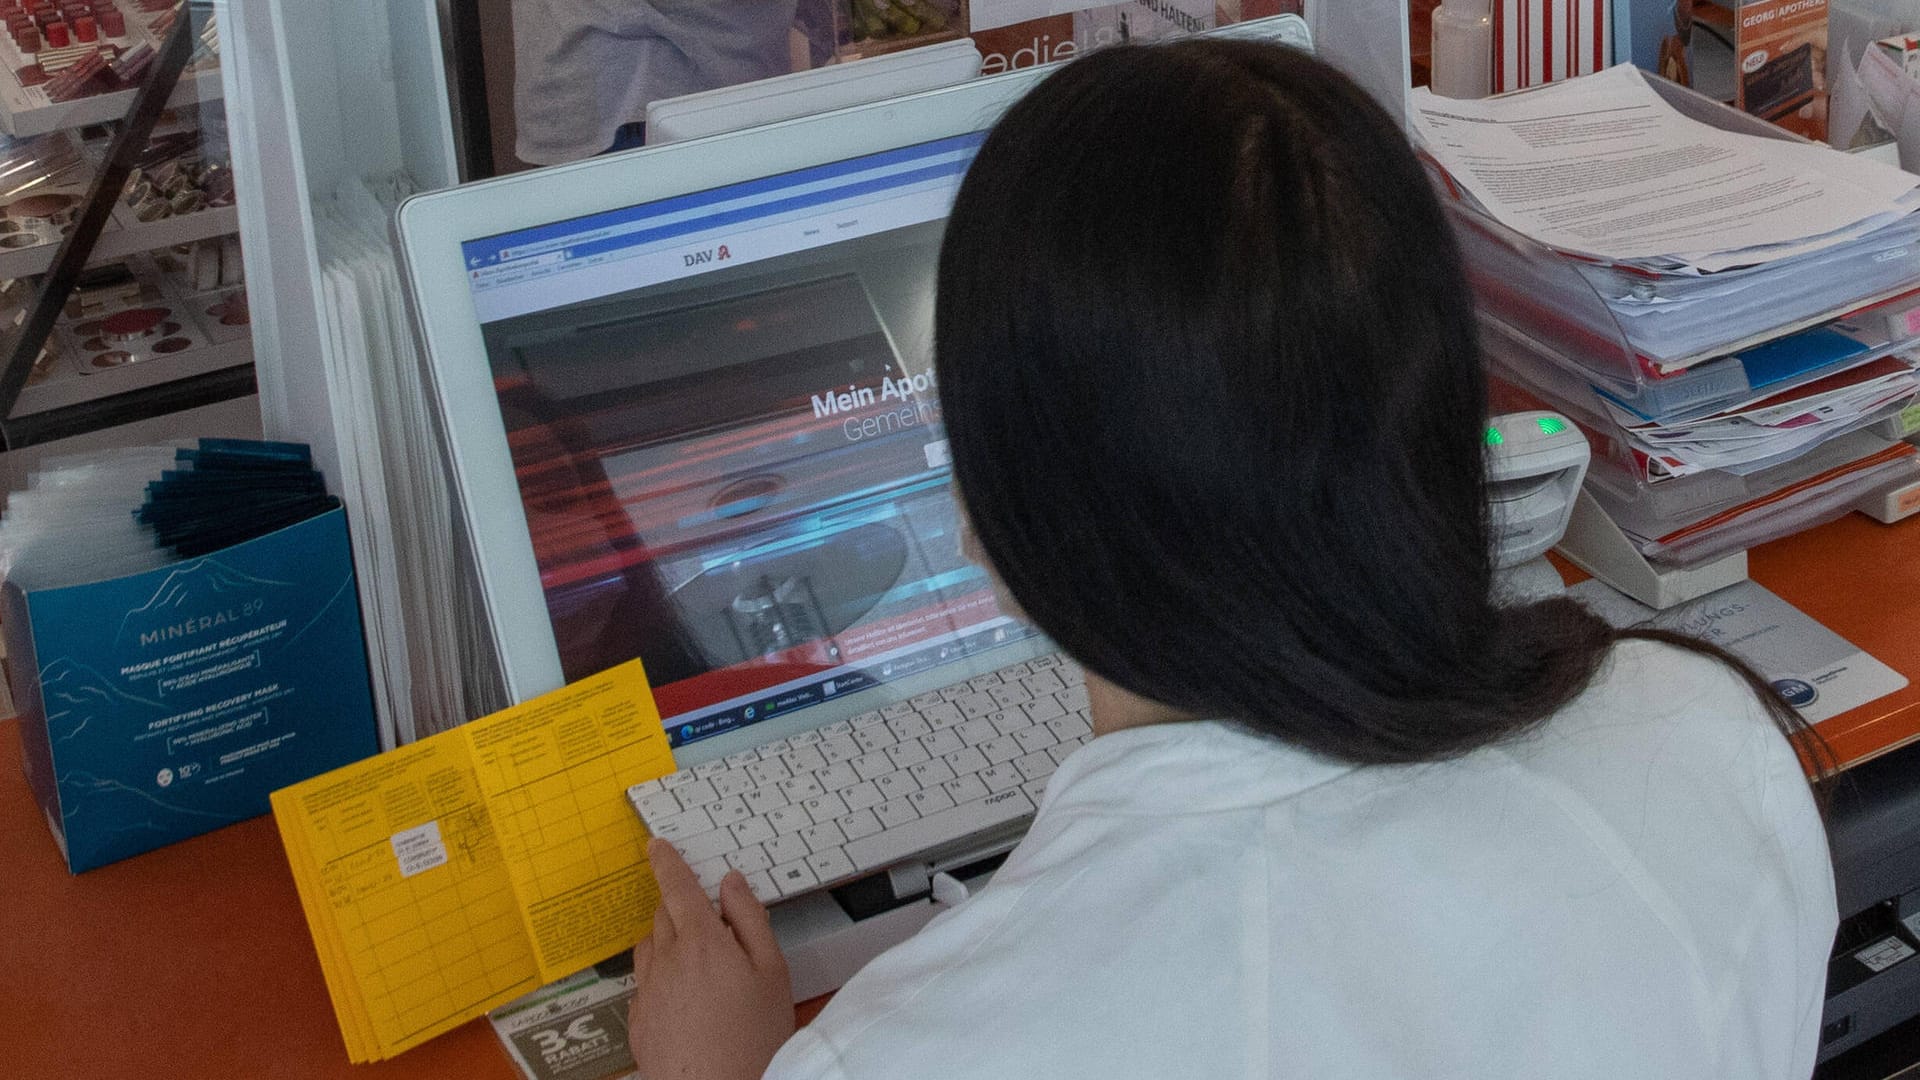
pixel 1639 889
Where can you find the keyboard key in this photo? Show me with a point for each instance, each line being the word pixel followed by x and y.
pixel 1043 663
pixel 707 770
pixel 1008 721
pixel 922 701
pixel 908 727
pixel 754 830
pixel 800 788
pixel 707 845
pixel 999 778
pixel 838 727
pixel 684 776
pixel 788 819
pixel 658 806
pixel 976 705
pixel 749 860
pixel 1071 673
pixel 786 849
pixel 743 759
pixel 768 771
pixel 710 874
pixel 975 732
pixel 867 720
pixel 929 773
pixel 957 690
pixel 897 710
pixel 643 789
pixel 728 812
pixel 823 837
pixel 763 888
pixel 1067 727
pixel 942 743
pixel 1059 751
pixel 1072 699
pixel 943 715
pixel 884 849
pixel 1035 789
pixel 967 760
pixel 762 800
pixel 896 785
pixel 770 750
pixel 1035 766
pixel 861 823
pixel 1031 739
pixel 982 682
pixel 680 826
pixel 965 789
pixel 805 759
pixel 875 738
pixel 1044 708
pixel 1042 683
pixel 1015 672
pixel 831 865
pixel 794 877
pixel 1000 749
pixel 896 812
pixel 872 765
pixel 862 795
pixel 805 738
pixel 733 782
pixel 907 754
pixel 698 793
pixel 837 776
pixel 1009 695
pixel 839 748
pixel 930 801
pixel 825 807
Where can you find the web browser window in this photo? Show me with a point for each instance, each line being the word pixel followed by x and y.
pixel 726 435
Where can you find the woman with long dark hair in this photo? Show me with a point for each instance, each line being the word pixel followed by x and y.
pixel 1210 375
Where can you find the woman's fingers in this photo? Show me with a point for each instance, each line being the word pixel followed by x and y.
pixel 682 902
pixel 748 918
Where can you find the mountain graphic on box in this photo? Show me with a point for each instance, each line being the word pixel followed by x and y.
pixel 206 585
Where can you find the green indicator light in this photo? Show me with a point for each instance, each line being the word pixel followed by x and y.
pixel 1494 438
pixel 1550 426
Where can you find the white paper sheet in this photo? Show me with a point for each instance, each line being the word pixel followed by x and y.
pixel 1602 166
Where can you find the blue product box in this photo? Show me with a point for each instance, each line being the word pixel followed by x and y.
pixel 166 704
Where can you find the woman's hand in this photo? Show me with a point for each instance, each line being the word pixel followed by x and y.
pixel 710 994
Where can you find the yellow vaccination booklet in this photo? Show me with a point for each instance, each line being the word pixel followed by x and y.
pixel 454 874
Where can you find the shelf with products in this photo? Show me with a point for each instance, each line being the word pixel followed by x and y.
pixel 121 279
pixel 866 28
pixel 180 191
pixel 69 63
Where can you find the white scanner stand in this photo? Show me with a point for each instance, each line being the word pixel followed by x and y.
pixel 1597 545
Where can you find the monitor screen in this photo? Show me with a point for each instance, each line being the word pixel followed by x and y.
pixel 726 436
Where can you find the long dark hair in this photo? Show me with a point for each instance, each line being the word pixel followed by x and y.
pixel 1213 389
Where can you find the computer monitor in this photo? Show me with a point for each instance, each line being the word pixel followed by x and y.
pixel 688 397
pixel 835 86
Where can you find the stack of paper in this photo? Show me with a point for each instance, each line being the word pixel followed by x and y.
pixel 1764 431
pixel 1709 302
pixel 1700 240
pixel 423 630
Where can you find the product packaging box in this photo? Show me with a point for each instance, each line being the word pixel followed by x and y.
pixel 1542 41
pixel 1904 49
pixel 162 705
pixel 1765 57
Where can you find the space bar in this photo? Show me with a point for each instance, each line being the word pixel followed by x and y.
pixel 883 849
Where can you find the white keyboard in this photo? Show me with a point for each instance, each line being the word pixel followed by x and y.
pixel 861 795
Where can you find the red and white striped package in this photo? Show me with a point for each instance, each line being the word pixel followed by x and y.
pixel 1543 41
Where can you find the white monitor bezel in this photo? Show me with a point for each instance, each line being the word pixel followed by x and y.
pixel 431 228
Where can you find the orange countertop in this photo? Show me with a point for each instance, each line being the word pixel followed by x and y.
pixel 194 960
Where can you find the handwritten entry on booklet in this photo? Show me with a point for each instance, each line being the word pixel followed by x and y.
pixel 452 875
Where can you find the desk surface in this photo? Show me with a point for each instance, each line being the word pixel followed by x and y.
pixel 194 960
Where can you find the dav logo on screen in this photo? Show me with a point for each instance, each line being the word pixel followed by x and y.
pixel 716 254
